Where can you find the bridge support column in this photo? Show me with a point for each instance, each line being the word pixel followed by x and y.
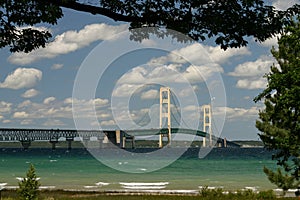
pixel 53 141
pixel 69 140
pixel 224 143
pixel 207 124
pixel 26 143
pixel 86 140
pixel 164 112
pixel 126 139
pixel 118 136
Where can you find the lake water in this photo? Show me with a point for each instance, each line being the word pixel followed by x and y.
pixel 230 168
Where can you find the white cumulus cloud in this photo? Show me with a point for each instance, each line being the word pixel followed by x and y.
pixel 69 41
pixel 220 56
pixel 251 74
pixel 5 107
pixel 30 93
pixel 237 113
pixel 48 100
pixel 284 4
pixel 150 94
pixel 252 84
pixel 22 78
pixel 57 66
pixel 255 68
pixel 198 55
pixel 21 114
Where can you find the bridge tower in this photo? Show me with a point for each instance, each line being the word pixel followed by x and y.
pixel 165 112
pixel 207 118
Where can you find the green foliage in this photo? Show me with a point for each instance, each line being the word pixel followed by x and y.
pixel 230 22
pixel 266 195
pixel 84 195
pixel 26 13
pixel 207 194
pixel 280 120
pixel 28 187
pixel 283 181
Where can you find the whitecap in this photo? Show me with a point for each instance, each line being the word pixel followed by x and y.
pixel 144 187
pixel 19 178
pixel 47 187
pixel 251 188
pixel 292 190
pixel 101 184
pixel 144 184
pixel 89 186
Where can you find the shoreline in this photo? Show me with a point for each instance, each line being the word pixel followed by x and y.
pixel 155 193
pixel 150 191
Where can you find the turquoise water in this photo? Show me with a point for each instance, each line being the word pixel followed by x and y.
pixel 76 169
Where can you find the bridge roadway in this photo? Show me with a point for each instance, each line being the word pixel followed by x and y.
pixel 26 136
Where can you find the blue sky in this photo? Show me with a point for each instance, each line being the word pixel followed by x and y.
pixel 36 89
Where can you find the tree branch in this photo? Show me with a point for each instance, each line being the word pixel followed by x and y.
pixel 94 10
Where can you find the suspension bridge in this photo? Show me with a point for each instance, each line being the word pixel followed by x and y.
pixel 120 138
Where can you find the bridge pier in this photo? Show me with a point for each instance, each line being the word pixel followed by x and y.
pixel 86 140
pixel 53 141
pixel 164 112
pixel 26 143
pixel 126 139
pixel 222 143
pixel 69 140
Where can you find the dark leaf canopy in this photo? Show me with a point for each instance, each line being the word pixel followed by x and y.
pixel 17 17
pixel 229 22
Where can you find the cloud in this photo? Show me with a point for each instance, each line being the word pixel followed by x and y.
pixel 5 107
pixel 271 42
pixel 39 28
pixel 283 5
pixel 220 56
pixel 251 73
pixel 195 74
pixel 25 104
pixel 30 93
pixel 6 121
pixel 69 41
pixel 198 55
pixel 252 84
pixel 108 123
pixel 150 94
pixel 49 100
pixel 54 112
pixel 22 78
pixel 21 114
pixel 53 123
pixel 237 113
pixel 97 102
pixel 123 90
pixel 164 74
pixel 26 122
pixel 255 68
pixel 57 66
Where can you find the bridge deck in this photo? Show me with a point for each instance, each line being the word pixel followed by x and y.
pixel 15 134
pixel 52 135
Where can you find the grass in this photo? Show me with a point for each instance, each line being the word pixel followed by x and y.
pixel 204 194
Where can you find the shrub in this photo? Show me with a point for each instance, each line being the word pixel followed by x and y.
pixel 28 187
